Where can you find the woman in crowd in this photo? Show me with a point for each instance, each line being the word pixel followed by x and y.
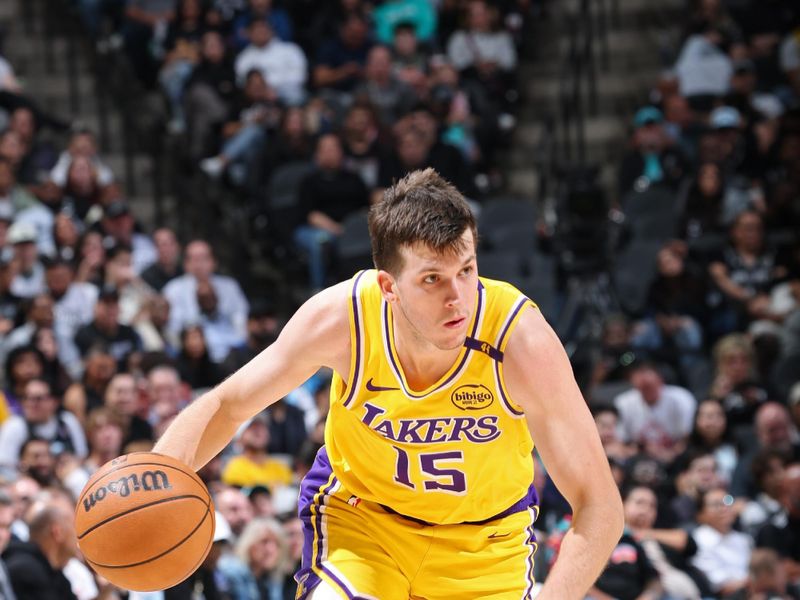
pixel 263 547
pixel 710 434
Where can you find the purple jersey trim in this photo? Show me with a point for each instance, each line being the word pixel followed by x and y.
pixel 456 372
pixel 485 347
pixel 354 377
pixel 531 541
pixel 506 329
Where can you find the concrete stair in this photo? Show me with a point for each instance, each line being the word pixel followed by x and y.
pixel 627 67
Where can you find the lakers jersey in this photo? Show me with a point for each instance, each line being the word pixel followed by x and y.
pixel 459 451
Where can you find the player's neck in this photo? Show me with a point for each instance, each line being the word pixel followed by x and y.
pixel 423 363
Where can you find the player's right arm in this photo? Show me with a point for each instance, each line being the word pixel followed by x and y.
pixel 317 335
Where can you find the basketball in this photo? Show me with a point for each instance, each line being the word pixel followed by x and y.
pixel 144 521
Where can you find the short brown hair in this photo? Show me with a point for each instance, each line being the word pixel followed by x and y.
pixel 420 208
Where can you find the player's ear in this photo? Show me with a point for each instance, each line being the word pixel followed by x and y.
pixel 387 285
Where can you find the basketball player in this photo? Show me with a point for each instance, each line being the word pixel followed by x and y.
pixel 441 382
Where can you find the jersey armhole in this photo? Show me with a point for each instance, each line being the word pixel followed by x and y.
pixel 355 311
pixel 514 409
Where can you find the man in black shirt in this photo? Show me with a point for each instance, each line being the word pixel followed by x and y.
pixel 106 330
pixel 168 264
pixel 35 566
pixel 785 540
pixel 327 196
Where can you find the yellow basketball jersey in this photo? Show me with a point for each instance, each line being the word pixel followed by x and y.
pixel 459 451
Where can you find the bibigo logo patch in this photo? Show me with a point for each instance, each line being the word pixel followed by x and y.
pixel 472 397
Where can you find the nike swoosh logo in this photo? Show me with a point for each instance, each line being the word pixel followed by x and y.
pixel 379 388
pixel 499 535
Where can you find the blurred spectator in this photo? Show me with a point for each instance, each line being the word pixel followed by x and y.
pixel 341 59
pixel 784 538
pixel 281 64
pixel 167 265
pixel 293 141
pixel 44 340
pixel 91 258
pixel 287 429
pixel 712 434
pixel 28 280
pixel 236 509
pixel 194 362
pixel 656 416
pixel 36 566
pixel 261 498
pixel 768 467
pixel 6 520
pixel 120 275
pixel 606 418
pixel 262 330
pixel 654 158
pixel 790 59
pixel 743 273
pixel 261 10
pixel 42 417
pixel 73 308
pixel 181 292
pixel 14 197
pixel 704 68
pixel 629 574
pixel 23 364
pixel 182 53
pixel 767 578
pixel 774 431
pixel 484 52
pixel 703 204
pixel 82 189
pixel 38 315
pixel 36 461
pixel 121 398
pixel 695 474
pixel 119 228
pixel 254 466
pixel 360 143
pixel 82 143
pixel 409 61
pixel 382 89
pixel 327 196
pixel 262 547
pixel 668 550
pixel 735 383
pixel 165 394
pixel 152 327
pixel 88 393
pixel 723 554
pixel 418 15
pixel 208 93
pixel 105 432
pixel 245 132
pixel 9 303
pixel 106 330
pixel 671 331
pixel 145 31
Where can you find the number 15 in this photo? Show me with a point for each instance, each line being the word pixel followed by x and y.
pixel 438 481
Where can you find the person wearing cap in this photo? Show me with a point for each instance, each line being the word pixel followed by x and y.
pixel 106 330
pixel 119 228
pixel 654 158
pixel 29 278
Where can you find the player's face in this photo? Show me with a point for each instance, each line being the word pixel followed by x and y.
pixel 435 293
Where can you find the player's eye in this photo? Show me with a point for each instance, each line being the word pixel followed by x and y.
pixel 430 279
pixel 467 270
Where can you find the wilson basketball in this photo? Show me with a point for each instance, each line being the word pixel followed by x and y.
pixel 145 521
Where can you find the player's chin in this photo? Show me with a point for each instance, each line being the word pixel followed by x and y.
pixel 452 342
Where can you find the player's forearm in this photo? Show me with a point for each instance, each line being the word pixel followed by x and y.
pixel 584 552
pixel 199 432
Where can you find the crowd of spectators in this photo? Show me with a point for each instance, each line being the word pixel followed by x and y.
pixel 108 328
pixel 696 389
